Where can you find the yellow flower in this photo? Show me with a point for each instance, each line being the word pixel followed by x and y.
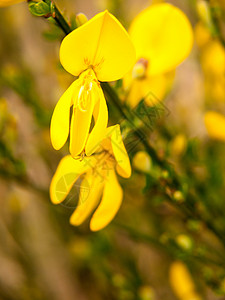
pixel 179 145
pixel 202 34
pixel 4 3
pixel 181 282
pixel 215 125
pixel 213 58
pixel 98 178
pixel 142 161
pixel 99 50
pixel 163 38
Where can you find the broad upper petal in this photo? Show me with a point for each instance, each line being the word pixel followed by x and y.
pixel 162 34
pixel 103 43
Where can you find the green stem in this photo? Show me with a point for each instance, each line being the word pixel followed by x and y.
pixel 60 19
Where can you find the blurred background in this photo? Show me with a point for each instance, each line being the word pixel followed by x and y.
pixel 152 250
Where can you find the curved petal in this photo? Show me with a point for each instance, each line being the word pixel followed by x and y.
pixel 102 43
pixel 59 128
pixel 66 174
pixel 215 125
pixel 80 126
pixel 110 204
pixel 90 193
pixel 162 34
pixel 123 163
pixel 101 120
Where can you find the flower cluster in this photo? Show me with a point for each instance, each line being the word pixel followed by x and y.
pixel 101 50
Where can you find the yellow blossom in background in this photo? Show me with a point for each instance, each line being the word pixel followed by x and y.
pixel 215 125
pixel 4 3
pixel 99 50
pixel 202 34
pixel 98 179
pixel 163 38
pixel 179 145
pixel 142 161
pixel 213 58
pixel 181 282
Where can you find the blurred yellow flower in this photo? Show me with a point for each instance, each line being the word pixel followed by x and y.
pixel 4 3
pixel 213 58
pixel 163 38
pixel 202 34
pixel 98 178
pixel 179 145
pixel 99 50
pixel 181 282
pixel 142 161
pixel 215 125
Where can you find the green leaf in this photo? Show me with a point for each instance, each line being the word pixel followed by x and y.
pixel 39 8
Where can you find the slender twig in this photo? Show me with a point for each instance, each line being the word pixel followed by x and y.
pixel 61 21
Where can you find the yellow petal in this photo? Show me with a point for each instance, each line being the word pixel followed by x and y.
pixel 215 125
pixel 90 193
pixel 202 34
pixel 4 3
pixel 213 58
pixel 101 120
pixel 110 204
pixel 102 43
pixel 66 174
pixel 123 163
pixel 152 89
pixel 59 128
pixel 182 282
pixel 162 34
pixel 80 126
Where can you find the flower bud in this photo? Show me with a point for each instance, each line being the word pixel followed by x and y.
pixel 179 145
pixel 178 196
pixel 81 19
pixel 142 161
pixel 184 242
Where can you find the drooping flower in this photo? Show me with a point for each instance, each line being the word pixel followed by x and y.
pixel 98 179
pixel 4 3
pixel 99 50
pixel 215 125
pixel 163 38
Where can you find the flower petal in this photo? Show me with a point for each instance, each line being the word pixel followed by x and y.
pixel 90 193
pixel 152 89
pixel 110 204
pixel 162 34
pixel 4 3
pixel 102 43
pixel 60 121
pixel 101 120
pixel 123 163
pixel 215 125
pixel 80 126
pixel 66 174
